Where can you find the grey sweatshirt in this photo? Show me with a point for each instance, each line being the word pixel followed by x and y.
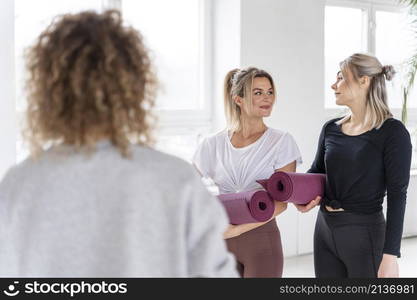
pixel 68 214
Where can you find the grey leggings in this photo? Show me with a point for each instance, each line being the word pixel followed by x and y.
pixel 348 244
pixel 258 252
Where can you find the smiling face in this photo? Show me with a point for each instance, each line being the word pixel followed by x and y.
pixel 263 98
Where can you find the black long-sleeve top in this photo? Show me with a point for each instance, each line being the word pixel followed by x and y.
pixel 362 169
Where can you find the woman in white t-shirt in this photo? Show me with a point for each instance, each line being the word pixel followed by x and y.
pixel 246 151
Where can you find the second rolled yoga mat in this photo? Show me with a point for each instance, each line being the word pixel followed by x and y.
pixel 248 207
pixel 298 188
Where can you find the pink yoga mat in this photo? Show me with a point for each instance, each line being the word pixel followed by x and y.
pixel 248 207
pixel 298 188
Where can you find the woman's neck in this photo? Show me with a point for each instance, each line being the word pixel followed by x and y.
pixel 357 118
pixel 251 126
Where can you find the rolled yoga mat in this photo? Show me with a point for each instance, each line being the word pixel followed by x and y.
pixel 298 188
pixel 248 207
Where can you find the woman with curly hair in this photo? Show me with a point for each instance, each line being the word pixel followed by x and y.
pixel 94 199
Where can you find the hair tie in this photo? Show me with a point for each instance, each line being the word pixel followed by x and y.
pixel 388 71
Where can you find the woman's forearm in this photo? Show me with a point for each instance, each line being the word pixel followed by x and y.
pixel 235 230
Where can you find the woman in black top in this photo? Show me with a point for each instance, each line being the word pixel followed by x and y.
pixel 366 155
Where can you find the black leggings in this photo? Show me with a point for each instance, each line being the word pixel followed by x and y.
pixel 348 244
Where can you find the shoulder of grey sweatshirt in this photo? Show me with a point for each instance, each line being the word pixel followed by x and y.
pixel 72 214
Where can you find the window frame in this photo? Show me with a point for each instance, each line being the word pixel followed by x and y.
pixel 191 118
pixel 193 122
pixel 188 117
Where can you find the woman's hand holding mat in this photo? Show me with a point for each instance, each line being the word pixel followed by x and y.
pixel 304 190
pixel 236 230
pixel 309 206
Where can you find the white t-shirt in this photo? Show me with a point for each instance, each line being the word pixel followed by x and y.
pixel 237 169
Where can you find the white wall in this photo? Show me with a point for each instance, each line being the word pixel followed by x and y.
pixel 285 38
pixel 410 220
pixel 226 51
pixel 7 101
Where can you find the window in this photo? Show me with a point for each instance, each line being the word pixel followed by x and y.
pixel 177 34
pixel 344 35
pixel 172 30
pixel 382 28
pixel 367 26
pixel 394 44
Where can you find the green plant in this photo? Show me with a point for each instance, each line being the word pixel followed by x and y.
pixel 404 106
pixel 411 63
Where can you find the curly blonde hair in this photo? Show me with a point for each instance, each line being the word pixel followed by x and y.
pixel 90 78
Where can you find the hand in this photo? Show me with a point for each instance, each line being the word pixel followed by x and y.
pixel 388 267
pixel 309 206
